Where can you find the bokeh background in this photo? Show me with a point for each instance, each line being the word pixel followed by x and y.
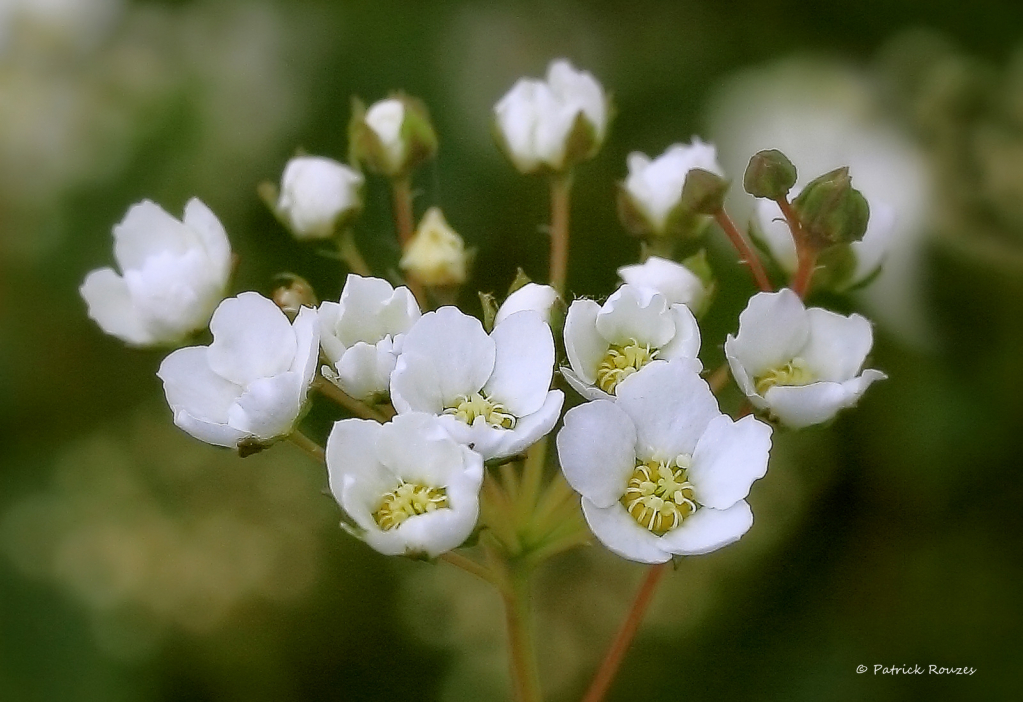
pixel 137 564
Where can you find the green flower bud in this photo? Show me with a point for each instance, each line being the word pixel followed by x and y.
pixel 393 136
pixel 703 192
pixel 769 174
pixel 831 211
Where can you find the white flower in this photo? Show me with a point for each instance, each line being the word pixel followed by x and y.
pixel 436 254
pixel 803 365
pixel 409 488
pixel 635 327
pixel 661 471
pixel 531 296
pixel 175 273
pixel 316 194
pixel 868 253
pixel 678 284
pixel 362 334
pixel 385 118
pixel 537 120
pixel 250 384
pixel 493 392
pixel 654 187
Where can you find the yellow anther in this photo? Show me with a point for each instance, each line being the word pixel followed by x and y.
pixel 659 495
pixel 408 500
pixel 795 372
pixel 495 414
pixel 621 361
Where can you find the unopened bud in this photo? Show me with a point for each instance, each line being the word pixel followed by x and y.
pixel 295 294
pixel 831 211
pixel 318 196
pixel 393 136
pixel 704 192
pixel 769 174
pixel 436 255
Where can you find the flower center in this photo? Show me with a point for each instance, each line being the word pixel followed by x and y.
pixel 795 372
pixel 659 495
pixel 408 500
pixel 495 414
pixel 621 361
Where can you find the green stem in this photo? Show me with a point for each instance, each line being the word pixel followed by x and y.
pixel 404 223
pixel 349 253
pixel 561 189
pixel 359 409
pixel 521 648
pixel 310 447
pixel 613 659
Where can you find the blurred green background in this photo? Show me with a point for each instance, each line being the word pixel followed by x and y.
pixel 137 564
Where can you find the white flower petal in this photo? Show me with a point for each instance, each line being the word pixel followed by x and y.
pixel 803 406
pixel 446 355
pixel 671 406
pixel 212 433
pixel 621 534
pixel 147 230
pixel 327 316
pixel 364 371
pixel 173 293
pixel 677 283
pixel 110 306
pixel 686 342
pixel 315 192
pixel 531 296
pixel 269 407
pixel 728 458
pixel 370 309
pixel 523 364
pixel 201 220
pixel 773 329
pixel 590 392
pixel 709 529
pixel 597 451
pixel 838 345
pixel 307 347
pixel 251 339
pixel 583 343
pixel 191 385
pixel 581 92
pixel 351 453
pixel 416 448
pixel 492 442
pixel 635 315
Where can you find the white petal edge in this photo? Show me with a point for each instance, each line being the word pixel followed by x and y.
pixel 597 451
pixel 621 534
pixel 728 458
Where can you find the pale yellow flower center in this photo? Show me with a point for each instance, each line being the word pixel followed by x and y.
pixel 795 372
pixel 621 361
pixel 408 500
pixel 468 407
pixel 659 495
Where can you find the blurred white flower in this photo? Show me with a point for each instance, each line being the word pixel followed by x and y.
pixel 385 118
pixel 802 365
pixel 823 116
pixel 552 123
pixel 635 327
pixel 531 296
pixel 250 384
pixel 174 275
pixel 661 470
pixel 362 334
pixel 317 195
pixel 654 187
pixel 675 282
pixel 493 392
pixel 436 255
pixel 409 488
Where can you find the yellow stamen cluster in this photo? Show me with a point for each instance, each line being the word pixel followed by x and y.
pixel 795 372
pixel 659 495
pixel 621 361
pixel 408 500
pixel 479 405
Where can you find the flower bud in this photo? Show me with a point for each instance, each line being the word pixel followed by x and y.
pixel 770 174
pixel 704 192
pixel 831 211
pixel 294 295
pixel 393 137
pixel 531 296
pixel 436 255
pixel 552 124
pixel 318 196
pixel 649 198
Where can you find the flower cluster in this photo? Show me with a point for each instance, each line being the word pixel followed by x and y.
pixel 447 413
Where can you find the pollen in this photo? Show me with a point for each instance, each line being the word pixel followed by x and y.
pixel 621 361
pixel 468 407
pixel 408 500
pixel 659 495
pixel 795 372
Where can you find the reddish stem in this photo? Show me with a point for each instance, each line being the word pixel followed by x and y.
pixel 805 253
pixel 746 253
pixel 613 658
pixel 561 189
